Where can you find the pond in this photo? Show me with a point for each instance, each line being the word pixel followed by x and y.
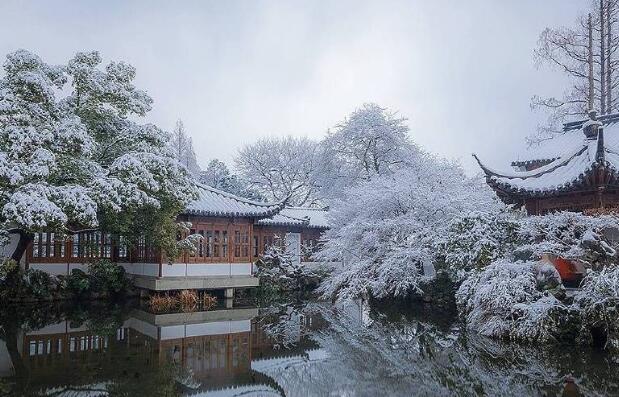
pixel 301 349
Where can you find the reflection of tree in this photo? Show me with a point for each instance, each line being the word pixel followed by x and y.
pixel 400 355
pixel 285 324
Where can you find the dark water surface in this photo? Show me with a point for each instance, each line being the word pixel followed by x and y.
pixel 306 349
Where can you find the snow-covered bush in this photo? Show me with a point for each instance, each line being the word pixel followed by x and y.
pixel 474 240
pixel 385 230
pixel 569 235
pixel 279 272
pixel 506 300
pixel 598 302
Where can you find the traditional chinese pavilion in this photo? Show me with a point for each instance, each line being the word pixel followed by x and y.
pixel 575 171
pixel 235 231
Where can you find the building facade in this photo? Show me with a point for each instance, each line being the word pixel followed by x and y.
pixel 235 232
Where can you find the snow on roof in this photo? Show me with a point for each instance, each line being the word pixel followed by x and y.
pixel 269 365
pixel 244 390
pixel 567 141
pixel 569 169
pixel 560 176
pixel 552 149
pixel 299 216
pixel 214 202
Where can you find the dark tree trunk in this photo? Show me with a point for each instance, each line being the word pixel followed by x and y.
pixel 25 238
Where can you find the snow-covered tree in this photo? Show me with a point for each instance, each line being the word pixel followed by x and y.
pixel 587 54
pixel 371 141
pixel 281 168
pixel 182 146
pixel 385 229
pixel 70 155
pixel 218 175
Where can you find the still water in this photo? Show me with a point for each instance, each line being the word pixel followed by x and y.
pixel 301 349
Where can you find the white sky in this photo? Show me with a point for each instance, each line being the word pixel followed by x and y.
pixel 461 71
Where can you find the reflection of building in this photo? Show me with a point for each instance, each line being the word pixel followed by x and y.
pixel 234 231
pixel 201 352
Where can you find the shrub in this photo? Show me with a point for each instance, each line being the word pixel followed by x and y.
pixel 598 302
pixel 75 284
pixel 8 268
pixel 37 284
pixel 473 241
pixel 208 301
pixel 108 278
pixel 188 300
pixel 506 300
pixel 278 272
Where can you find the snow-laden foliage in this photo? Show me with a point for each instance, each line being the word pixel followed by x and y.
pixel 218 175
pixel 569 235
pixel 509 300
pixel 278 271
pixel 386 229
pixel 598 302
pixel 70 152
pixel 281 168
pixel 475 239
pixel 372 141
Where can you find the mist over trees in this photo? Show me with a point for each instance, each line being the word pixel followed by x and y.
pixel 587 54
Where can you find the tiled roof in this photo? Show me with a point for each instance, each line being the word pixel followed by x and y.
pixel 551 149
pixel 214 202
pixel 299 216
pixel 574 168
pixel 570 139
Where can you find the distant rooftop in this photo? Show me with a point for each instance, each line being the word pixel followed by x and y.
pixel 299 216
pixel 214 202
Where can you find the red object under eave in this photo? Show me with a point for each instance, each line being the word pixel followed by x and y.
pixel 567 270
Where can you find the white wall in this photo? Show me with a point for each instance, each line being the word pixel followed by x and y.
pixel 152 269
pixel 6 364
pixel 206 269
pixel 142 269
pixel 168 332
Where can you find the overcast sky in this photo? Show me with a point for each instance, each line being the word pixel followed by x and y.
pixel 461 71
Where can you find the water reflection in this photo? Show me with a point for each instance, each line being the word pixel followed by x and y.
pixel 309 349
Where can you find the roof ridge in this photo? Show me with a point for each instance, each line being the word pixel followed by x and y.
pixel 531 174
pixel 305 208
pixel 238 198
